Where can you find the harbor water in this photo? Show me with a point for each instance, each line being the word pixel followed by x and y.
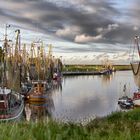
pixel 80 99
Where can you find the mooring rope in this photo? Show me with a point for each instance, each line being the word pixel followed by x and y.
pixel 137 71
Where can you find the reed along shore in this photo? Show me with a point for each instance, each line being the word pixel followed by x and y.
pixel 118 125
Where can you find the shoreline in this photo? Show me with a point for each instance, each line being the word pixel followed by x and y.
pixel 70 73
pixel 92 69
pixel 118 125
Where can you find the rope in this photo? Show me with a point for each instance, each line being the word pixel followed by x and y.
pixel 135 72
pixel 136 45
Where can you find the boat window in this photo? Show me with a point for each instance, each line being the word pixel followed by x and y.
pixel 35 85
pixel 1 97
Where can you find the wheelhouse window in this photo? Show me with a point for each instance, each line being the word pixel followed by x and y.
pixel 1 97
pixel 35 85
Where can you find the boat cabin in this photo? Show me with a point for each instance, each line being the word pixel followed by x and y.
pixel 39 87
pixel 4 98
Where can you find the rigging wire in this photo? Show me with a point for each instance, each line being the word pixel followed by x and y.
pixel 136 45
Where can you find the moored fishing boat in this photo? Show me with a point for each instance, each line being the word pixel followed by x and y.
pixel 57 76
pixel 37 92
pixel 11 102
pixel 125 102
pixel 106 72
pixel 57 69
pixel 11 105
pixel 40 73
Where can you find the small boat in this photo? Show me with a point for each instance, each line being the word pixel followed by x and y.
pixel 136 98
pixel 37 92
pixel 57 69
pixel 125 102
pixel 106 72
pixel 11 105
pixel 57 76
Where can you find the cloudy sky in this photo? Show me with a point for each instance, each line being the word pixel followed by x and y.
pixel 79 30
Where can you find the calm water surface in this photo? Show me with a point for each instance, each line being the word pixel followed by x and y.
pixel 81 98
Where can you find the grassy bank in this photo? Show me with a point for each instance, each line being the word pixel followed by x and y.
pixel 122 67
pixel 93 67
pixel 120 126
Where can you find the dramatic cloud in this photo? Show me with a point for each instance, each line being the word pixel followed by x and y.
pixel 86 38
pixel 98 25
pixel 68 32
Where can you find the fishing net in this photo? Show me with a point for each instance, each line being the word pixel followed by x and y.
pixel 135 62
pixel 135 68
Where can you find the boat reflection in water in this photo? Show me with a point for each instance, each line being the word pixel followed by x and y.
pixel 37 111
pixel 106 79
pixel 57 85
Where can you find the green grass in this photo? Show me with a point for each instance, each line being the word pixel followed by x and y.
pixel 93 67
pixel 117 126
pixel 79 68
pixel 122 67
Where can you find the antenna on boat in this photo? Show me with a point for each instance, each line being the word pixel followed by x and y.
pixel 124 89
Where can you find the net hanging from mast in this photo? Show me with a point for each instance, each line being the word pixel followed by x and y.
pixel 135 65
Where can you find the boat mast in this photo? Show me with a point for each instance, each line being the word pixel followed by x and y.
pixel 18 54
pixel 4 80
